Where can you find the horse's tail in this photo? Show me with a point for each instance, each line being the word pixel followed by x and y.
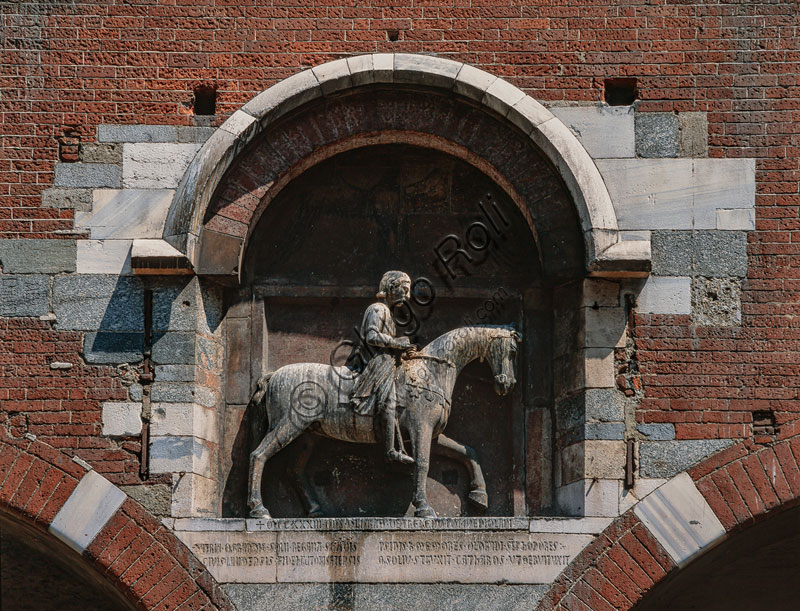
pixel 258 396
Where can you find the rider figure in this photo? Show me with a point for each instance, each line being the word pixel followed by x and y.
pixel 375 387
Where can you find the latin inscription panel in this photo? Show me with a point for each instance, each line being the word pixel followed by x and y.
pixel 384 557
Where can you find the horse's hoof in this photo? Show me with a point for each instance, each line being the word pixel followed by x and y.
pixel 259 511
pixel 399 457
pixel 479 498
pixel 426 511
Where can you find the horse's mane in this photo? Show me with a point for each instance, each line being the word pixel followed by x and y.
pixel 458 333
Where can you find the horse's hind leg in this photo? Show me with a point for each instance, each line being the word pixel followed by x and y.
pixel 278 438
pixel 304 485
pixel 464 454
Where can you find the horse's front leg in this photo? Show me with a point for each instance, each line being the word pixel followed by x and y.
pixel 421 434
pixel 469 458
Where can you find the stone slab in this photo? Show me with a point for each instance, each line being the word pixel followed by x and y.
pixel 677 193
pixel 656 134
pixel 604 404
pixel 156 165
pixel 91 302
pixel 113 347
pixel 666 458
pixel 384 557
pixel 136 133
pixel 591 498
pixel 121 419
pixel 104 257
pixel 126 213
pixel 86 511
pixel 665 295
pixel 37 256
pixel 78 199
pixel 657 431
pixel 24 295
pixel 183 419
pixel 604 131
pixel 177 454
pixel 737 218
pixel 692 134
pixel 88 175
pixel 680 519
pixel 101 153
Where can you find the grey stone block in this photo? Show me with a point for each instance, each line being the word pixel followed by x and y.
pixel 716 302
pixel 604 131
pixel 175 305
pixel 175 348
pixel 172 392
pixel 174 373
pixel 720 253
pixel 101 153
pixel 658 431
pixel 136 133
pixel 78 199
pixel 398 597
pixel 37 256
pixel 656 134
pixel 88 175
pixel 693 134
pixel 605 430
pixel 667 458
pixel 99 302
pixel 194 134
pixel 113 347
pixel 672 252
pixel 605 405
pixel 156 498
pixel 25 295
pixel 136 392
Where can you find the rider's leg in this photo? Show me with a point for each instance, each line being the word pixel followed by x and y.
pixel 387 415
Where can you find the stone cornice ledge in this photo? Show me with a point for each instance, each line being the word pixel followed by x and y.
pixel 625 259
pixel 158 258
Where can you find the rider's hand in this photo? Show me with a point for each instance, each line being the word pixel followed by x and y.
pixel 403 342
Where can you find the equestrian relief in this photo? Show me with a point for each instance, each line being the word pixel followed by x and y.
pixel 388 391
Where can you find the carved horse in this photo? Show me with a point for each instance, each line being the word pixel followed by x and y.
pixel 303 395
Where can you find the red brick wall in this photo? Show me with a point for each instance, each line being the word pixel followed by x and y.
pixel 86 63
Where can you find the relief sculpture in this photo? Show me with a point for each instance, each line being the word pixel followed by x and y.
pixel 399 392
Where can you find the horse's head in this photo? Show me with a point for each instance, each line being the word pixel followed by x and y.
pixel 502 359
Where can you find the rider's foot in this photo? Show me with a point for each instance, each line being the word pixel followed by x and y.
pixel 400 457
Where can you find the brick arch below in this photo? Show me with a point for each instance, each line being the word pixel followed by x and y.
pixel 604 254
pixel 110 535
pixel 730 491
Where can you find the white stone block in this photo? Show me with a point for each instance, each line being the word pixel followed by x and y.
pixel 361 70
pixel 598 367
pixel 641 488
pixel 600 293
pixel 333 76
pixel 180 454
pixel 193 495
pixel 472 82
pixel 501 95
pixel 665 295
pixel 121 419
pixel 584 526
pixel 237 123
pixel 87 510
pixel 604 131
pixel 738 218
pixel 719 184
pixel 155 165
pixel 594 498
pixel 605 327
pixel 604 459
pixel 104 257
pixel 183 419
pixel 126 213
pixel 678 516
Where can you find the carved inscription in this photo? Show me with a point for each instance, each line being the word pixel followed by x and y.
pixel 384 556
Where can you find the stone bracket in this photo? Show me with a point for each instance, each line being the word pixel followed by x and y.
pixel 158 258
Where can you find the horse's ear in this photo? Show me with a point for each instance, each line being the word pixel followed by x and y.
pixel 517 336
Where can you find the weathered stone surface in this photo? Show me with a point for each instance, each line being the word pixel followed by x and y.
pixel 424 70
pixel 666 458
pixel 737 218
pixel 693 134
pixel 24 295
pixel 398 597
pixel 598 368
pixel 88 175
pixel 101 153
pixel 155 166
pixel 382 524
pixel 180 305
pixel 665 295
pixel 604 404
pixel 136 133
pixel 104 257
pixel 121 419
pixel 589 497
pixel 375 556
pixel 155 498
pixel 673 252
pixel 677 193
pixel 658 431
pixel 604 131
pixel 600 293
pixel 113 347
pixel 98 302
pixel 37 256
pixel 183 419
pixel 605 327
pixel 176 348
pixel 126 213
pixel 197 134
pixel 656 134
pixel 175 373
pixel 78 199
pixel 604 430
pixel 176 454
pixel 720 253
pixel 193 495
pixel 716 301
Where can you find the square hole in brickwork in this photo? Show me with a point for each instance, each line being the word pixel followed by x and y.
pixel 620 91
pixel 205 100
pixel 392 35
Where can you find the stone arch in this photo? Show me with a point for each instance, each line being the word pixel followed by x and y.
pixel 671 527
pixel 82 514
pixel 604 253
